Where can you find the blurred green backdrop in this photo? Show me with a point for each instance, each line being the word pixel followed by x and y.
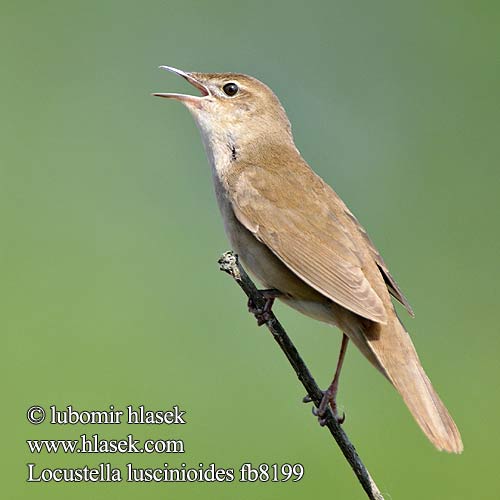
pixel 110 288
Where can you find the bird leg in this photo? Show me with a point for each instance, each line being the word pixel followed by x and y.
pixel 330 395
pixel 264 314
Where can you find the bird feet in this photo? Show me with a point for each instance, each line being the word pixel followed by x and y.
pixel 263 315
pixel 329 399
pixel 330 395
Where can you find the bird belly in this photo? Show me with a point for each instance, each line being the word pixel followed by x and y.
pixel 272 273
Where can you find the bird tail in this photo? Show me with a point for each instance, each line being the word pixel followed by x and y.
pixel 391 351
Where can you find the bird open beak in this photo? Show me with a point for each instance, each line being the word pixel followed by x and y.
pixel 184 97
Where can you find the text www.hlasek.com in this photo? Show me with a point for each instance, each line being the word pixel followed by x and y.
pixel 93 444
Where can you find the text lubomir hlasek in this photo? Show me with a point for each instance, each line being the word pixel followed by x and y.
pixel 131 415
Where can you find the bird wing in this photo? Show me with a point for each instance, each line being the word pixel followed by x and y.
pixel 390 282
pixel 307 233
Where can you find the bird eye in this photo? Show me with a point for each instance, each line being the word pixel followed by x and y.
pixel 230 89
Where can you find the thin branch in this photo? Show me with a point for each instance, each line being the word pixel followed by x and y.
pixel 230 264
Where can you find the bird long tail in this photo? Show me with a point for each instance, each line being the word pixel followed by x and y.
pixel 391 351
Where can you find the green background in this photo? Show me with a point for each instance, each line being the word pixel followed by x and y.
pixel 110 235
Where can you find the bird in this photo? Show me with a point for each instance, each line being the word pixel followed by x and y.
pixel 299 239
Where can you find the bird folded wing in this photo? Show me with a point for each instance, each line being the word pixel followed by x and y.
pixel 306 236
pixel 390 282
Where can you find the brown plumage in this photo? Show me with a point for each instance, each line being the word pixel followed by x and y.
pixel 295 234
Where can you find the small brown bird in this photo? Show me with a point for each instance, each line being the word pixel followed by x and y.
pixel 295 234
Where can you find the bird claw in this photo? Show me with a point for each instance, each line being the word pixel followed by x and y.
pixel 322 418
pixel 252 308
pixel 264 314
pixel 320 412
pixel 263 318
pixel 261 314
